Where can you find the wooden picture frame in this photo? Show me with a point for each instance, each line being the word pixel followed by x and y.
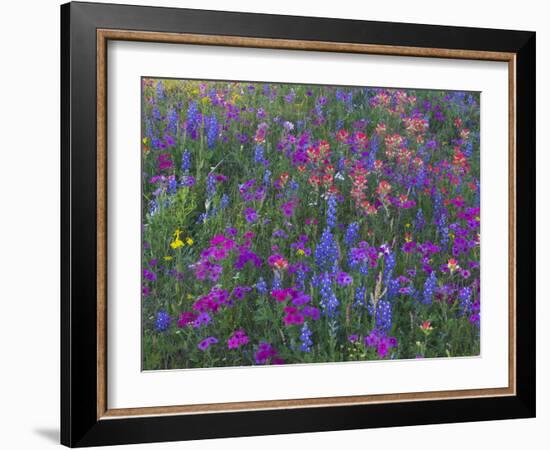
pixel 86 418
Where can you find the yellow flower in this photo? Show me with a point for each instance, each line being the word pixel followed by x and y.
pixel 407 225
pixel 145 140
pixel 205 100
pixel 189 241
pixel 168 258
pixel 300 252
pixel 176 243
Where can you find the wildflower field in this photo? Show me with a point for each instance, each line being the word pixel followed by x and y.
pixel 287 224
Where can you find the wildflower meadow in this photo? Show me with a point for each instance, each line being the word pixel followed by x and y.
pixel 286 224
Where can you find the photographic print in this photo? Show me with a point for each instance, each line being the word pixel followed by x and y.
pixel 297 224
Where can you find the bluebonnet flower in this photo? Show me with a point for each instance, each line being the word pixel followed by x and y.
pixel 437 205
pixel 468 149
pixel 259 155
pixel 429 287
pixel 301 277
pixel 277 282
pixel 156 113
pixel 331 212
pixel 419 220
pixel 193 120
pixel 172 185
pixel 162 321
pixel 305 338
pixel 212 131
pixel 464 296
pixel 153 207
pixel 210 186
pixel 389 265
pixel 341 164
pixel 224 202
pixel 329 302
pixel 443 229
pixel 293 185
pixel 213 95
pixel 156 143
pixel 267 177
pixel 261 286
pixel 160 90
pixel 384 315
pixel 352 234
pixel 148 128
pixel 420 177
pixel 289 98
pixel 359 296
pixel 392 288
pixel 173 119
pixel 185 161
pixel 326 252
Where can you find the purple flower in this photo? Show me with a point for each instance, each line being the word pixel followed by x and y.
pixel 186 318
pixel 311 311
pixel 250 215
pixel 202 320
pixel 264 353
pixel 293 316
pixel 148 275
pixel 372 339
pixel 383 347
pixel 237 339
pixel 288 208
pixel 239 292
pixel 188 181
pixel 205 343
pixel 245 256
pixel 344 279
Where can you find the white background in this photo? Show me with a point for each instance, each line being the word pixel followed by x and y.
pixel 29 226
pixel 129 387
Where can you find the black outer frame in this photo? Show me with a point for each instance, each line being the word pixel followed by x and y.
pixel 79 423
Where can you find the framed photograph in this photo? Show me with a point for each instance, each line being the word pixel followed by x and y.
pixel 277 224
